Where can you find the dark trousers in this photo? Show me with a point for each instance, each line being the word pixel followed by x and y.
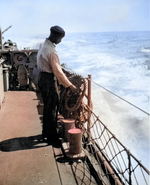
pixel 51 103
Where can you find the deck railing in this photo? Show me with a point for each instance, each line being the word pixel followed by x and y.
pixel 113 159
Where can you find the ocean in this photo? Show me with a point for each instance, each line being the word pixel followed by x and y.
pixel 119 62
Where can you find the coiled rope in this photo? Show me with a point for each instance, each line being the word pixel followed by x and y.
pixel 71 104
pixel 73 100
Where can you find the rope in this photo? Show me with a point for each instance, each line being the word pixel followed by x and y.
pixel 71 104
pixel 78 96
pixel 121 98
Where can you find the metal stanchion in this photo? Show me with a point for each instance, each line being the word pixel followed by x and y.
pixel 89 104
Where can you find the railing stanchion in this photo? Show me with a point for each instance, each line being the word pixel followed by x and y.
pixel 89 104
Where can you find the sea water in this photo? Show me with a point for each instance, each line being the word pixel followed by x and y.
pixel 119 62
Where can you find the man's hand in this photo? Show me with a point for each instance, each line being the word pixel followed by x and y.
pixel 73 88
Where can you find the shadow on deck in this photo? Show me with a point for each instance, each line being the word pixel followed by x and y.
pixel 25 159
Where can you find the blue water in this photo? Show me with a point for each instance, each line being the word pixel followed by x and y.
pixel 118 61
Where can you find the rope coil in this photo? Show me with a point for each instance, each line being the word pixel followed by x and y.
pixel 71 104
pixel 73 100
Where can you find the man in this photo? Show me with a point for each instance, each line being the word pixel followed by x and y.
pixel 51 76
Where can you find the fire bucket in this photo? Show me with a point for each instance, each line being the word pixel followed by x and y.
pixel 75 141
pixel 68 124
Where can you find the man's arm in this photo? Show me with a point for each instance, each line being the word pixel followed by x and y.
pixel 58 72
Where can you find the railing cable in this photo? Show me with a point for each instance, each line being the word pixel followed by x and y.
pixel 122 98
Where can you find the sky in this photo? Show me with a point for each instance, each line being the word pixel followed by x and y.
pixel 34 17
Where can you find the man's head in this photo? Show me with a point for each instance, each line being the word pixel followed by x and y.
pixel 57 33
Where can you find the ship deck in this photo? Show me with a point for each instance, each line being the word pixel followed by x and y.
pixel 24 158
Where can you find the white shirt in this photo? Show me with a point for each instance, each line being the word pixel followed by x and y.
pixel 48 61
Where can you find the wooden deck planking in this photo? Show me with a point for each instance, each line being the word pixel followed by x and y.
pixel 24 159
pixel 64 167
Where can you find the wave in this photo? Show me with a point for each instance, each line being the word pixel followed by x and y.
pixel 122 68
pixel 118 68
pixel 145 49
